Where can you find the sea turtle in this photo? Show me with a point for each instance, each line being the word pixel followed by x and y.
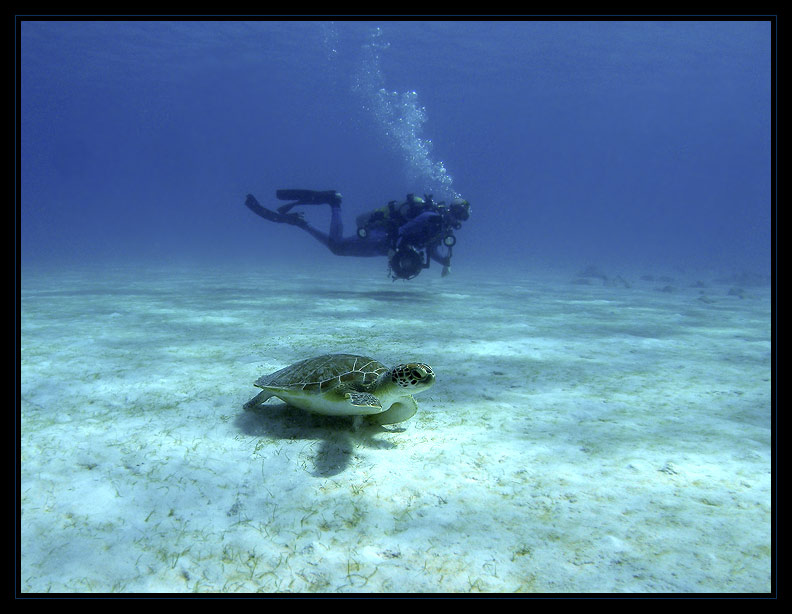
pixel 348 385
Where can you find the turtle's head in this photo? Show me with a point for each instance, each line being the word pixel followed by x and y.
pixel 412 377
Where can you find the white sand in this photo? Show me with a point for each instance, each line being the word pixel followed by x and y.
pixel 580 438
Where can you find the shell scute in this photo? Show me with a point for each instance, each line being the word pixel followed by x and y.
pixel 323 373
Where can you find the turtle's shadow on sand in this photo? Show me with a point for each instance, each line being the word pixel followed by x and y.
pixel 337 435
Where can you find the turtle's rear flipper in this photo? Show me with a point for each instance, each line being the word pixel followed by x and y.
pixel 257 400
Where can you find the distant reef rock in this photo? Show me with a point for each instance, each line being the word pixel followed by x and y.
pixel 591 272
pixel 745 280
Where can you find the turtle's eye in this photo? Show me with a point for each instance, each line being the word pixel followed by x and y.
pixel 418 373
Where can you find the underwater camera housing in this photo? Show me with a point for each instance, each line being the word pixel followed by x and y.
pixel 407 262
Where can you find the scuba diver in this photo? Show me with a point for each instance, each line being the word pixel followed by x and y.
pixel 410 233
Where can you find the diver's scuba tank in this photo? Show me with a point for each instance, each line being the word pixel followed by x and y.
pixel 381 219
pixel 310 197
pixel 393 215
pixel 411 207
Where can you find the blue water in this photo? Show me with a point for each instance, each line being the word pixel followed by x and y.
pixel 576 142
pixel 601 420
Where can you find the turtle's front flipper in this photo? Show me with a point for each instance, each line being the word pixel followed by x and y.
pixel 399 412
pixel 257 400
pixel 362 399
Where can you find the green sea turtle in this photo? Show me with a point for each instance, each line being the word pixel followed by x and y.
pixel 347 385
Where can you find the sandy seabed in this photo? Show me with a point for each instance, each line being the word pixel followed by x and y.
pixel 587 433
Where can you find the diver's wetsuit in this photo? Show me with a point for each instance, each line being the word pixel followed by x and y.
pixel 416 231
pixel 375 244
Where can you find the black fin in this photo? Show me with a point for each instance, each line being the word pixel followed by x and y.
pixel 310 197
